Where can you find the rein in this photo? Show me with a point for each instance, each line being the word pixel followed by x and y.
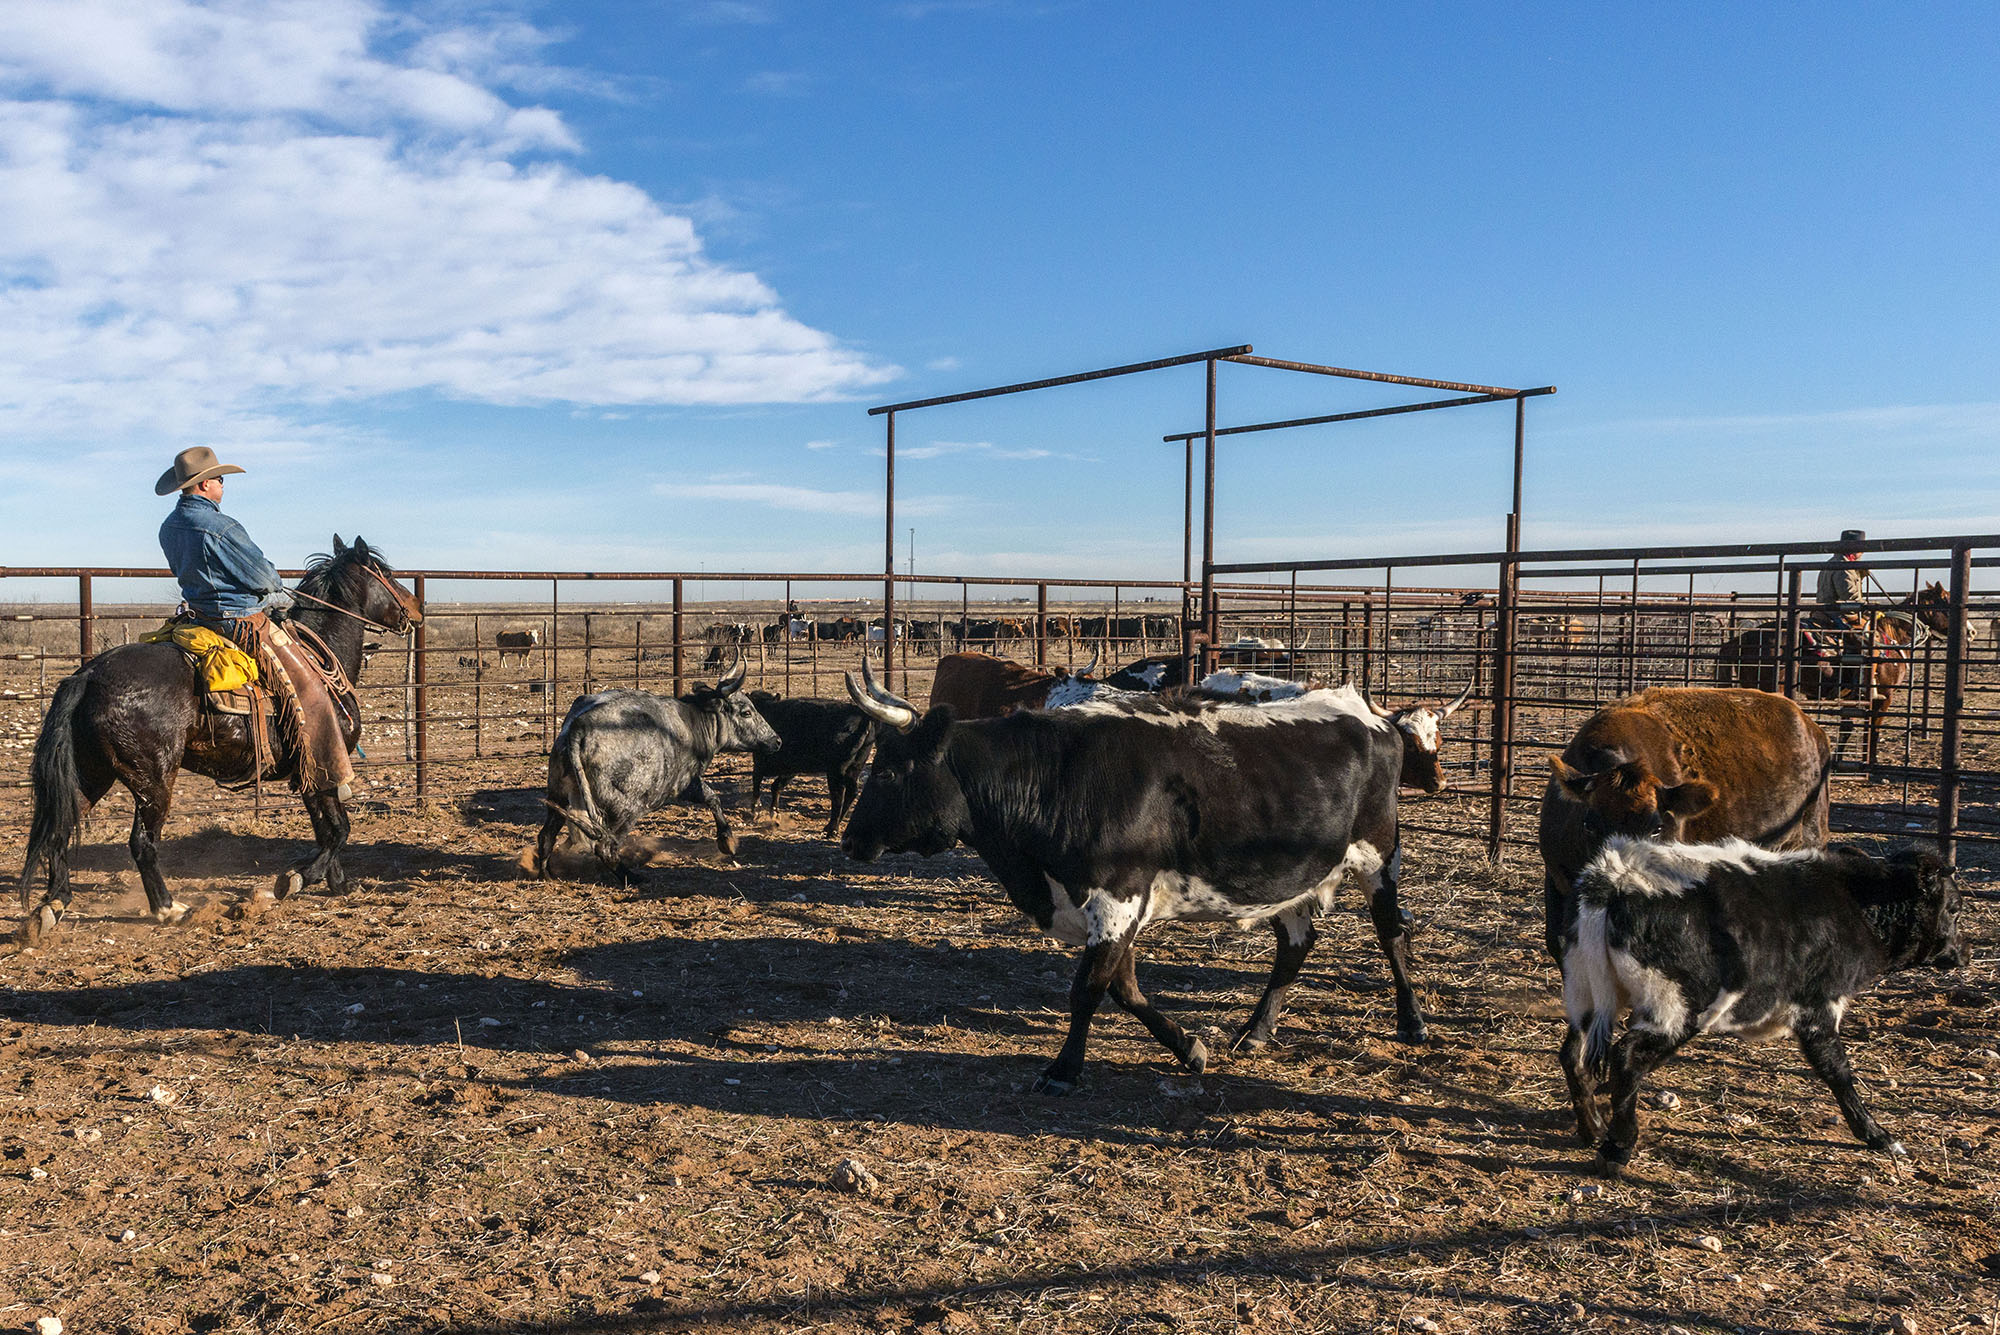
pixel 347 612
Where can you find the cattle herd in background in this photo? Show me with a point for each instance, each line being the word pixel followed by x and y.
pixel 1688 879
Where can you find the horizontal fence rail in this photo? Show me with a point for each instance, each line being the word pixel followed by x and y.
pixel 471 699
pixel 1551 636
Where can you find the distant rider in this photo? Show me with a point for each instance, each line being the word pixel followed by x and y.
pixel 227 584
pixel 1840 602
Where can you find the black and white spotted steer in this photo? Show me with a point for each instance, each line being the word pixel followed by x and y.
pixel 829 737
pixel 1730 938
pixel 1103 818
pixel 622 753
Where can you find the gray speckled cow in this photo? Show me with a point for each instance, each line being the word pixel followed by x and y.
pixel 622 753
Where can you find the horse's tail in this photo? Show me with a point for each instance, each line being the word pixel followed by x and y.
pixel 58 818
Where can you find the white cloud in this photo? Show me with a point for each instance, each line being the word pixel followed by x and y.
pixel 213 213
pixel 822 444
pixel 721 12
pixel 942 364
pixel 779 496
pixel 985 449
pixel 778 83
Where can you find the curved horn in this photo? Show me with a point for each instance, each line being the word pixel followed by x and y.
pixel 1463 696
pixel 1378 711
pixel 898 716
pixel 882 695
pixel 733 678
pixel 1092 665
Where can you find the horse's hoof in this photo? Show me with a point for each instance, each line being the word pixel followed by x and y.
pixel 171 914
pixel 39 924
pixel 289 883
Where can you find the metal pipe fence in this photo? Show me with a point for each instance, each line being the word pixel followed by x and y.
pixel 1549 637
pixel 483 683
pixel 479 690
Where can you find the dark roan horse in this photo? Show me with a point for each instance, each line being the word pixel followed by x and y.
pixel 133 715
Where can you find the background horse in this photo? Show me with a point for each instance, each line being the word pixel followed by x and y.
pixel 1850 665
pixel 133 715
pixel 1856 670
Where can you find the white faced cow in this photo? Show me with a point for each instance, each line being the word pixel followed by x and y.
pixel 1101 819
pixel 622 753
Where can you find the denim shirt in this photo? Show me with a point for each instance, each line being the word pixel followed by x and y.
pixel 222 573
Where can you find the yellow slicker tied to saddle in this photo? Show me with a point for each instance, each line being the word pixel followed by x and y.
pixel 222 665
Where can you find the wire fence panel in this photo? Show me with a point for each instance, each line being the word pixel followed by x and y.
pixel 473 699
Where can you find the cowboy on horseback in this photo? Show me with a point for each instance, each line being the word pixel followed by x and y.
pixel 1842 595
pixel 229 586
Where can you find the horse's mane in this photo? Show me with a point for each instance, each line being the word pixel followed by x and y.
pixel 322 569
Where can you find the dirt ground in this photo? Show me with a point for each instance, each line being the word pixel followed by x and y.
pixel 456 1100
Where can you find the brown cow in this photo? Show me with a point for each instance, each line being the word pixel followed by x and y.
pixel 978 685
pixel 1688 764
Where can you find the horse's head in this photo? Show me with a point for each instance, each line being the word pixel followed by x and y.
pixel 357 580
pixel 1932 606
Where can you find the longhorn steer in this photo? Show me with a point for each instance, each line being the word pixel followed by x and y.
pixel 1101 819
pixel 827 737
pixel 1730 939
pixel 1150 674
pixel 622 753
pixel 976 685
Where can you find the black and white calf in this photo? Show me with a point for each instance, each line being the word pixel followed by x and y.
pixel 1101 819
pixel 622 753
pixel 829 737
pixel 1729 938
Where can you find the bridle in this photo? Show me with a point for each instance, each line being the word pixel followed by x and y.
pixel 410 615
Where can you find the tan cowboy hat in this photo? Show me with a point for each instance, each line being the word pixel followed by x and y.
pixel 192 467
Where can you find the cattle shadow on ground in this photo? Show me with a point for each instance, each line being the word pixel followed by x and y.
pixel 1309 1268
pixel 217 852
pixel 506 806
pixel 677 1020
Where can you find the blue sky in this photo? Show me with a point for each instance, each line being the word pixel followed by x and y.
pixel 611 286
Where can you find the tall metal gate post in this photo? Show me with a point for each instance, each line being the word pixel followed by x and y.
pixel 1211 620
pixel 1187 570
pixel 1954 704
pixel 1502 737
pixel 888 563
pixel 422 638
pixel 84 616
pixel 679 687
pixel 1041 625
pixel 1788 643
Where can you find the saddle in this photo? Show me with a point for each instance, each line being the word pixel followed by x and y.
pixel 292 684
